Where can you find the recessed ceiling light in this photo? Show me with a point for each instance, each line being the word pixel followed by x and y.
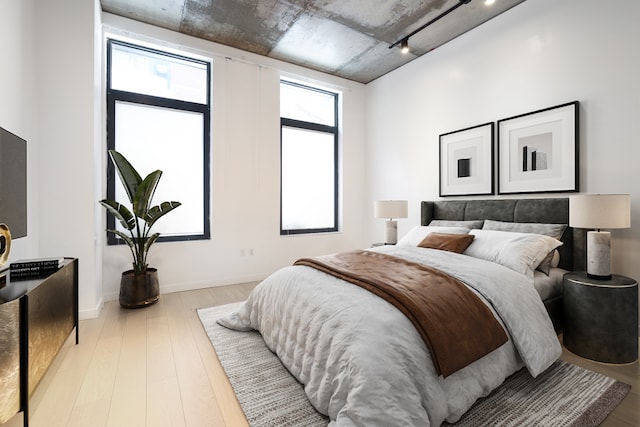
pixel 489 2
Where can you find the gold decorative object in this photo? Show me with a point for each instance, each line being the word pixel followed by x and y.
pixel 5 244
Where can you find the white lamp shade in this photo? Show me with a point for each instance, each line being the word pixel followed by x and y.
pixel 597 211
pixel 390 209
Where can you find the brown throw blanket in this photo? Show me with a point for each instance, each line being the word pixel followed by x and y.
pixel 457 327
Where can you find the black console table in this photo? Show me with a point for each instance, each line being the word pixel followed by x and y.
pixel 36 318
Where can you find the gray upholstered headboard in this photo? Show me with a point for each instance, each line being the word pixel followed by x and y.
pixel 549 211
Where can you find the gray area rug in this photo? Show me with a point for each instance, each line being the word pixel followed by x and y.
pixel 565 395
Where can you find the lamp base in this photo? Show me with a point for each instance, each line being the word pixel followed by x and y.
pixel 391 237
pixel 596 277
pixel 599 255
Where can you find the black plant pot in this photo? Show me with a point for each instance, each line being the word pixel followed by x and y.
pixel 139 290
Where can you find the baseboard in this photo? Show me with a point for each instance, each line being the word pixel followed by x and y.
pixel 191 286
pixel 91 313
pixel 180 287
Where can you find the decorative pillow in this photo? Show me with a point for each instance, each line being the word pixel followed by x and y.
pixel 555 260
pixel 552 230
pixel 521 252
pixel 418 233
pixel 447 242
pixel 551 260
pixel 476 223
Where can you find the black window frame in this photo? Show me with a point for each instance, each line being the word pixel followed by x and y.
pixel 114 96
pixel 301 124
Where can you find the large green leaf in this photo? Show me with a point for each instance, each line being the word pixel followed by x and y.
pixel 124 237
pixel 156 212
pixel 129 177
pixel 144 193
pixel 121 212
pixel 150 241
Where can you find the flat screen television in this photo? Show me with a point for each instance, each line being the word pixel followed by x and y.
pixel 13 183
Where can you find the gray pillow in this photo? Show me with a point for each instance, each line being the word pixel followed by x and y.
pixel 552 230
pixel 476 223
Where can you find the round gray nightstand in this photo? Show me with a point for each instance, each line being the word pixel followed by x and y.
pixel 601 317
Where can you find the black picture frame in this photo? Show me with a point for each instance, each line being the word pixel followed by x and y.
pixel 466 161
pixel 538 152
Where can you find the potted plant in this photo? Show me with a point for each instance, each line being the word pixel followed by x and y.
pixel 139 286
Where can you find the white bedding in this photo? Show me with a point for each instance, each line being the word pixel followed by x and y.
pixel 549 286
pixel 361 360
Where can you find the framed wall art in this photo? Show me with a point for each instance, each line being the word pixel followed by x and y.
pixel 538 151
pixel 466 161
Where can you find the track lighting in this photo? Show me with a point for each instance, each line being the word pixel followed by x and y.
pixel 404 42
pixel 404 46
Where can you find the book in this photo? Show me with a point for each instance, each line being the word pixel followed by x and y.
pixel 16 277
pixel 49 263
pixel 34 268
pixel 44 268
pixel 32 272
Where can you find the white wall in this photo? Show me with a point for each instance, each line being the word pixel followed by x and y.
pixel 539 54
pixel 66 111
pixel 18 104
pixel 47 97
pixel 245 243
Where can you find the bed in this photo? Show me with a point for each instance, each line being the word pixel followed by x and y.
pixel 361 359
pixel 551 210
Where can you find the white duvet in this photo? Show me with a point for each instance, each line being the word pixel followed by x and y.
pixel 361 360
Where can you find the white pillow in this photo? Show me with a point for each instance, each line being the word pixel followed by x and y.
pixel 521 252
pixel 418 233
pixel 553 230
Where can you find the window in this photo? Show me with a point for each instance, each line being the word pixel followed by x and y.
pixel 309 159
pixel 158 117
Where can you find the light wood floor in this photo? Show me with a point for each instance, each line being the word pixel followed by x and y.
pixel 156 367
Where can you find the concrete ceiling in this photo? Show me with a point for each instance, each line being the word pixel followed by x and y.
pixel 346 38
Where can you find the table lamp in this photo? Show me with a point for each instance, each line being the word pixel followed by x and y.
pixel 598 211
pixel 391 209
